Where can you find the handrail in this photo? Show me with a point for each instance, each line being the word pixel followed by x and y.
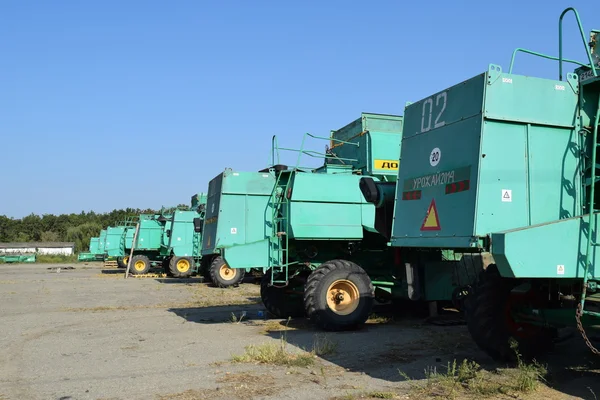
pixel 519 49
pixel 587 50
pixel 560 58
pixel 275 149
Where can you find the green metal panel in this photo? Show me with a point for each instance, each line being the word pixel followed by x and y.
pixel 129 234
pixel 94 245
pixel 548 250
pixel 149 235
pixel 114 241
pixel 18 258
pixel 377 138
pixel 502 143
pixel 182 237
pixel 327 206
pixel 235 217
pixel 102 241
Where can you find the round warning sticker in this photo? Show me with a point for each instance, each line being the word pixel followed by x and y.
pixel 434 157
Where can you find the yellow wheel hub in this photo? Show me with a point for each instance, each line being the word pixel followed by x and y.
pixel 125 260
pixel 227 273
pixel 183 265
pixel 139 265
pixel 342 297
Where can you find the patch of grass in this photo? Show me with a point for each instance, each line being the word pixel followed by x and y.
pixel 367 395
pixel 234 319
pixel 323 345
pixel 376 319
pixel 278 354
pixel 275 354
pixel 382 395
pixel 55 259
pixel 468 379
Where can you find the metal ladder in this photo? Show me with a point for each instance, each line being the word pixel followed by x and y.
pixel 278 219
pixel 590 183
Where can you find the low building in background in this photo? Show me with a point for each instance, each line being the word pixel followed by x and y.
pixel 39 248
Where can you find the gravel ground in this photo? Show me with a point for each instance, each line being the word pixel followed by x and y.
pixel 87 333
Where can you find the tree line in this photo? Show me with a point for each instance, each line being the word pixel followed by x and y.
pixel 77 228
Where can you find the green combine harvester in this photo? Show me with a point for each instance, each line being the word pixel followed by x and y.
pixel 18 258
pixel 170 239
pixel 300 224
pixel 501 170
pixel 93 253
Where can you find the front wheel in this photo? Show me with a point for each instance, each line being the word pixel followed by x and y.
pixel 139 265
pixel 338 296
pixel 181 267
pixel 222 275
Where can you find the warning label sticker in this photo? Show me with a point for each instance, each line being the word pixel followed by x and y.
pixel 432 220
pixel 506 195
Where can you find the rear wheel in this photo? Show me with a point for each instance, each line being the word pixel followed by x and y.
pixel 122 261
pixel 282 302
pixel 139 265
pixel 339 295
pixel 491 323
pixel 181 267
pixel 222 275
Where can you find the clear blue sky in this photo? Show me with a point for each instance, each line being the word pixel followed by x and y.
pixel 114 104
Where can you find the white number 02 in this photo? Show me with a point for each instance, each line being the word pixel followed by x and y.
pixel 427 112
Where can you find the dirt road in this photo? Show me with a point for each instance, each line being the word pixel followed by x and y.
pixel 87 333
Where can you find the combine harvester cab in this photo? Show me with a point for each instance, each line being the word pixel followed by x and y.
pixel 182 240
pixel 499 175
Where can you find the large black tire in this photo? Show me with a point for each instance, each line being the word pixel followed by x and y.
pixel 281 302
pixel 223 276
pixel 122 261
pixel 139 265
pixel 333 284
pixel 181 267
pixel 491 326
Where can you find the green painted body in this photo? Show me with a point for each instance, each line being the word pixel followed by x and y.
pixel 115 241
pixel 94 245
pixel 324 215
pixel 179 237
pixel 93 253
pixel 164 235
pixel 508 162
pixel 497 132
pixel 102 242
pixel 234 225
pixel 18 258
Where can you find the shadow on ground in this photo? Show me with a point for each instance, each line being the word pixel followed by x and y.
pixel 393 345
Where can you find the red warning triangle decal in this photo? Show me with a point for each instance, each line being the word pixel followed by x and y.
pixel 431 221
